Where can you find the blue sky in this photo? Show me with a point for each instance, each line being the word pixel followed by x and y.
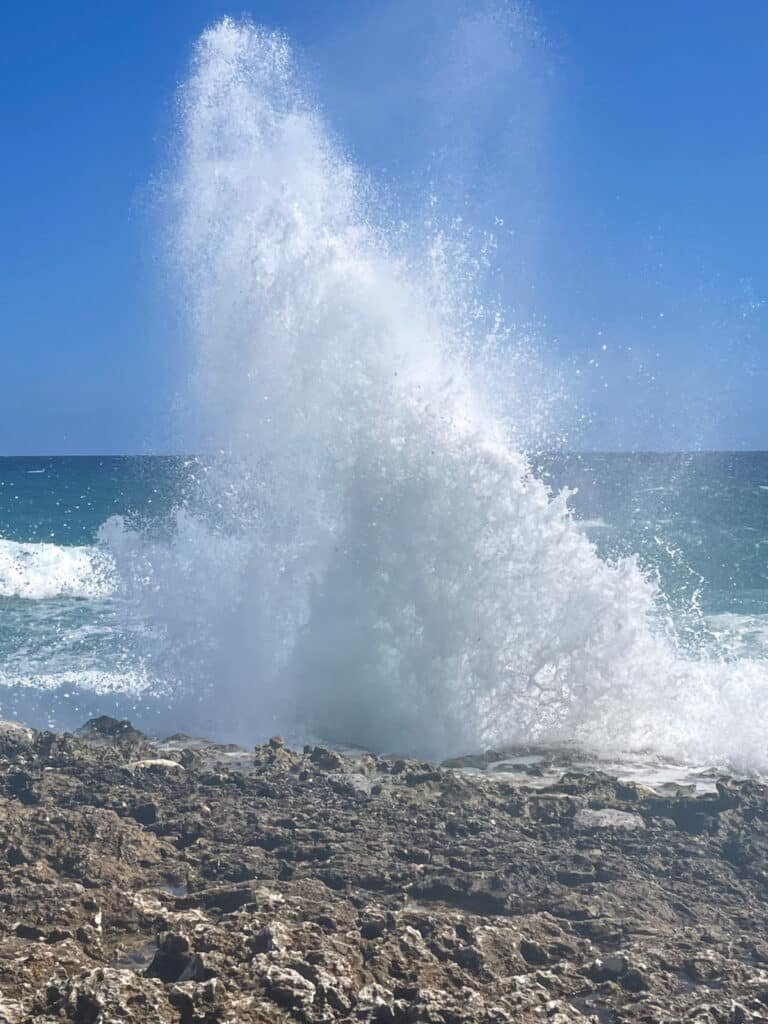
pixel 623 145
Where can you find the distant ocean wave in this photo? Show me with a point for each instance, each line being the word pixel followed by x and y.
pixel 38 572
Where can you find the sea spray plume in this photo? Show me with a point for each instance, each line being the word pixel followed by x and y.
pixel 369 557
pixel 388 559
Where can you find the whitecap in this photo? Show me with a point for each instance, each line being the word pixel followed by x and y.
pixel 43 571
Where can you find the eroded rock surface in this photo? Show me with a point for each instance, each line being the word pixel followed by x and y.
pixel 192 883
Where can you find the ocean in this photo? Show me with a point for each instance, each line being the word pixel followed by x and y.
pixel 68 642
pixel 75 642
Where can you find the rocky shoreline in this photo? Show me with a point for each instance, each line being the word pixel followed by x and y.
pixel 194 883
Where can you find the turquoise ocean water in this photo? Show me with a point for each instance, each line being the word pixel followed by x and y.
pixel 71 644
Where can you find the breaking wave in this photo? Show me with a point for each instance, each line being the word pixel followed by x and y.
pixel 39 572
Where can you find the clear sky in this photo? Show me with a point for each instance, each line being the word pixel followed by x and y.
pixel 623 145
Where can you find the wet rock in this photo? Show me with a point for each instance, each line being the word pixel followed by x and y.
pixel 145 813
pixel 29 931
pixel 470 958
pixel 105 729
pixel 20 785
pixel 175 961
pixel 533 953
pixel 272 938
pixel 373 928
pixel 634 981
pixel 16 855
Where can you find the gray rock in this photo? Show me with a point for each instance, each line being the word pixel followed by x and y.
pixel 634 981
pixel 534 953
pixel 607 818
pixel 106 729
pixel 272 938
pixel 373 928
pixel 289 989
pixel 354 782
pixel 448 899
pixel 14 736
pixel 610 969
pixel 176 962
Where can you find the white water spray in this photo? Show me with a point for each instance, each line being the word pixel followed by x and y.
pixel 370 558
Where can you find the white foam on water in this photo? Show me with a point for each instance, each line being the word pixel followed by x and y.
pixel 593 524
pixel 90 681
pixel 42 571
pixel 370 556
pixel 740 634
